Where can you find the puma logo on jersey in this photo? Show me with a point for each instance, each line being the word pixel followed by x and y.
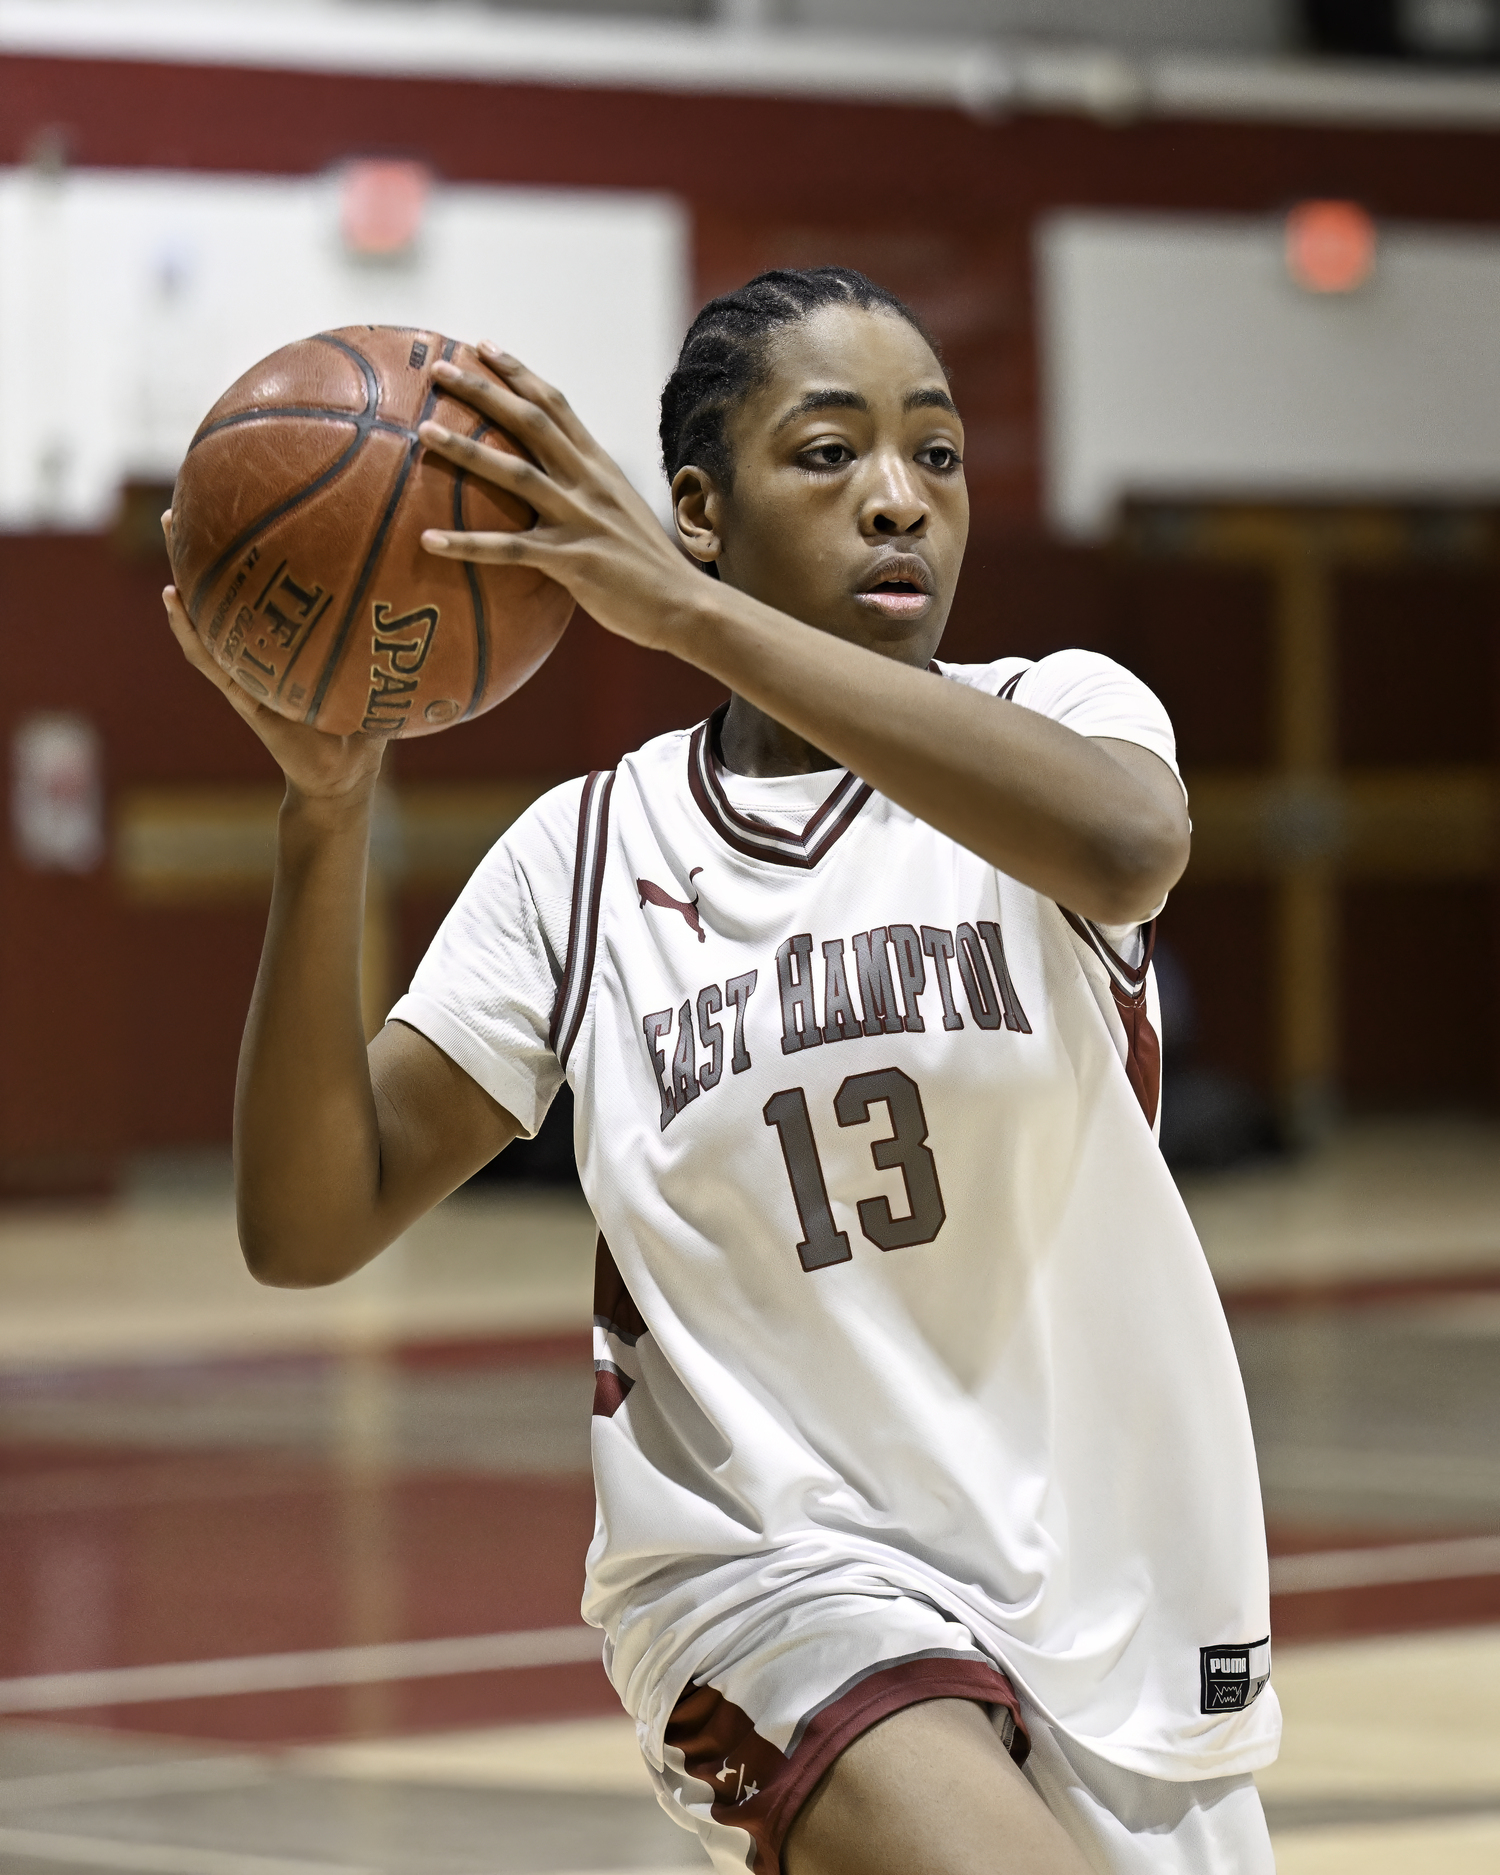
pixel 743 1792
pixel 653 895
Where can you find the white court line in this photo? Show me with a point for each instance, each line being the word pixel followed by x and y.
pixel 1391 1562
pixel 152 1858
pixel 279 1673
pixel 152 1778
pixel 157 1858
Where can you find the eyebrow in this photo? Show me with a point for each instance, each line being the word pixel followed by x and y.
pixel 929 398
pixel 823 400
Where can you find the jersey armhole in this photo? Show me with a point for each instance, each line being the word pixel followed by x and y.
pixel 583 923
pixel 1127 988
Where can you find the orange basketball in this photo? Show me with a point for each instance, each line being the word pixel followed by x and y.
pixel 297 523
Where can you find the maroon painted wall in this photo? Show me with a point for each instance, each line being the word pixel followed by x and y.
pixel 937 203
pixel 120 1024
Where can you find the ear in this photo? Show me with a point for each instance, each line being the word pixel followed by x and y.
pixel 696 508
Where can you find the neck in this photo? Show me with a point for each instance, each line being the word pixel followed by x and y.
pixel 754 744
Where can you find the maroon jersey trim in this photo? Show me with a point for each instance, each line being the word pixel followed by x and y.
pixel 616 1318
pixel 753 837
pixel 1127 984
pixel 764 1788
pixel 583 924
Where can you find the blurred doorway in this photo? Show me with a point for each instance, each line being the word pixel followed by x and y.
pixel 1363 844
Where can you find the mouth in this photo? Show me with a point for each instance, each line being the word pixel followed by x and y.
pixel 899 586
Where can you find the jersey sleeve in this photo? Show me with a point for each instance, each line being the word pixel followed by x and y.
pixel 1084 691
pixel 1092 695
pixel 484 993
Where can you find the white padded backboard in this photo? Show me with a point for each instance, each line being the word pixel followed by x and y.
pixel 130 300
pixel 1180 360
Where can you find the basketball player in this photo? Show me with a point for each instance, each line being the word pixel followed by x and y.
pixel 929 1539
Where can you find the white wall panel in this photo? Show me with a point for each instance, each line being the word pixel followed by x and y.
pixel 1203 25
pixel 129 301
pixel 1179 359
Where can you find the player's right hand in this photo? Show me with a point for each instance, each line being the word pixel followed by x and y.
pixel 317 766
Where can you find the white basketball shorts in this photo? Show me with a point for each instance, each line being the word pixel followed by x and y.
pixel 778 1701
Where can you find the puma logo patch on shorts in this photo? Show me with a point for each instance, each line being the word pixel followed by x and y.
pixel 1233 1674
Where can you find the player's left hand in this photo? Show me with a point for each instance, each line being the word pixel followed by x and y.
pixel 593 533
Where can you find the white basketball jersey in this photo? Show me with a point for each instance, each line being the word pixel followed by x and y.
pixel 898 1292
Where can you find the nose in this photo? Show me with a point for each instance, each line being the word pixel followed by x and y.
pixel 895 503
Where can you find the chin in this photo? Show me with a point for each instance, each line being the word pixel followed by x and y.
pixel 907 643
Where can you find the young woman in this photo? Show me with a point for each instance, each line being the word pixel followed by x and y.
pixel 929 1539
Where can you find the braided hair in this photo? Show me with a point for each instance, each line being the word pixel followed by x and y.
pixel 723 357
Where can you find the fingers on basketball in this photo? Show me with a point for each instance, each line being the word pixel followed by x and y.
pixel 196 653
pixel 490 549
pixel 500 466
pixel 536 391
pixel 548 454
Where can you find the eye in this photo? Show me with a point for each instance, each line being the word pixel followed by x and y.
pixel 825 456
pixel 940 456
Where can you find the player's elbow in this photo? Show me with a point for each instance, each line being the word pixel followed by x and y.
pixel 291 1259
pixel 1137 868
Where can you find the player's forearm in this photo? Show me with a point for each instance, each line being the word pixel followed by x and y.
pixel 1033 798
pixel 307 1140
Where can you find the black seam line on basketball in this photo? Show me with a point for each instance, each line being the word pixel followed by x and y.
pixel 267 587
pixel 335 468
pixel 232 552
pixel 307 632
pixel 377 545
pixel 476 590
pixel 367 571
pixel 262 413
pixel 323 411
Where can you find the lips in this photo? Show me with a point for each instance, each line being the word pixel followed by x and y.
pixel 904 574
pixel 900 586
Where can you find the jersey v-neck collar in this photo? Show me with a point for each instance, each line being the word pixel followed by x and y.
pixel 754 838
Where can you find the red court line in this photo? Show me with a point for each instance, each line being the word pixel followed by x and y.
pixel 564 1349
pixel 1441 1598
pixel 1385 1608
pixel 384 1709
pixel 303 1562
pixel 151 1372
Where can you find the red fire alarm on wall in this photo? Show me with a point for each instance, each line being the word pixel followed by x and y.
pixel 1330 246
pixel 381 204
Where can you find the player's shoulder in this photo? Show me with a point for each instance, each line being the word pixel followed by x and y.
pixel 534 855
pixel 547 832
pixel 662 753
pixel 1024 677
pixel 550 822
pixel 999 676
pixel 1076 687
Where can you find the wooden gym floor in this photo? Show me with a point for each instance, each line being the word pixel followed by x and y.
pixel 241 1532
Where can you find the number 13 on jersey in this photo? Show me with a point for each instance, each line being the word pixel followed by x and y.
pixel 905 1146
